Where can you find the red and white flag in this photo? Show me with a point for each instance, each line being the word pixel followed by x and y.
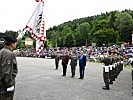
pixel 37 0
pixel 36 26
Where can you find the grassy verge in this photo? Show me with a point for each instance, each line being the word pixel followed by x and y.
pixel 127 66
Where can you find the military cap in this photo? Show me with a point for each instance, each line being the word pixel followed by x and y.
pixel 10 39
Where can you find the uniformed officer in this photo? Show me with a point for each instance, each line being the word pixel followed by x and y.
pixel 111 68
pixel 131 62
pixel 73 63
pixel 106 67
pixel 65 60
pixel 8 69
pixel 57 58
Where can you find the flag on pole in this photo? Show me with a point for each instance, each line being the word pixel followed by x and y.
pixel 40 0
pixel 37 0
pixel 36 26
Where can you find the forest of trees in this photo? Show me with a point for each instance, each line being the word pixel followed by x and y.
pixel 107 28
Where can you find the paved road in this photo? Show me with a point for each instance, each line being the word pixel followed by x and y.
pixel 38 80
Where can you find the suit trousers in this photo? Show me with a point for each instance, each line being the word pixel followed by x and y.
pixel 81 69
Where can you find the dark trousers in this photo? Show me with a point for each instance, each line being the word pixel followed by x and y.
pixel 73 70
pixel 56 64
pixel 81 72
pixel 106 77
pixel 64 69
pixel 5 95
pixel 111 75
pixel 132 77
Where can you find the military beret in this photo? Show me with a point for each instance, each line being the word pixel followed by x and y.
pixel 10 39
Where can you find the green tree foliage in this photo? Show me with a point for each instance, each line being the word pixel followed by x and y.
pixel 69 40
pixel 108 28
pixel 106 36
pixel 124 25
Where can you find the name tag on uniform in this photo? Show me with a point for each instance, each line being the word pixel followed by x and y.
pixel 122 62
pixel 113 65
pixel 110 67
pixel 106 68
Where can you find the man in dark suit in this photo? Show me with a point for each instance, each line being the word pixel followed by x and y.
pixel 82 64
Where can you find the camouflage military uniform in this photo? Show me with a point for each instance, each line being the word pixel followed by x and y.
pixel 8 68
pixel 106 62
pixel 57 58
pixel 73 64
pixel 8 73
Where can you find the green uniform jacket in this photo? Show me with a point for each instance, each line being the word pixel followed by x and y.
pixel 8 67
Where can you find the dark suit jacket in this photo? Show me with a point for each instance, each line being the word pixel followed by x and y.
pixel 82 61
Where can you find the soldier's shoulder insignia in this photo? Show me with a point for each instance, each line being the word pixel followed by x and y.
pixel 8 61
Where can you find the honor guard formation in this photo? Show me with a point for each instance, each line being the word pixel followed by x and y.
pixel 113 65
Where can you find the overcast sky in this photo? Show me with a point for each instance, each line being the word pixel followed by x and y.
pixel 14 14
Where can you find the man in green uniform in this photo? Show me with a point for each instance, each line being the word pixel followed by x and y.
pixel 8 69
pixel 106 61
pixel 73 63
pixel 57 58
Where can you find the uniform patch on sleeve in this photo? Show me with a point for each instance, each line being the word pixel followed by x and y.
pixel 8 62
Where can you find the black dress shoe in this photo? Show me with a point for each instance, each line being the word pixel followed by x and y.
pixel 111 82
pixel 105 88
pixel 114 79
pixel 63 75
pixel 72 76
pixel 79 78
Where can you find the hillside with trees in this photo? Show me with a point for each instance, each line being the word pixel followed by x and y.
pixel 108 28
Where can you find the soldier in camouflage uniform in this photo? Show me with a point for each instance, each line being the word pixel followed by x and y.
pixel 57 58
pixel 111 68
pixel 73 63
pixel 106 61
pixel 8 69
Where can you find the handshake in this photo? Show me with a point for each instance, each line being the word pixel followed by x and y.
pixel 10 89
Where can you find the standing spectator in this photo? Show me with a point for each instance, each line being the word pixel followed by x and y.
pixel 65 59
pixel 82 64
pixel 8 69
pixel 73 63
